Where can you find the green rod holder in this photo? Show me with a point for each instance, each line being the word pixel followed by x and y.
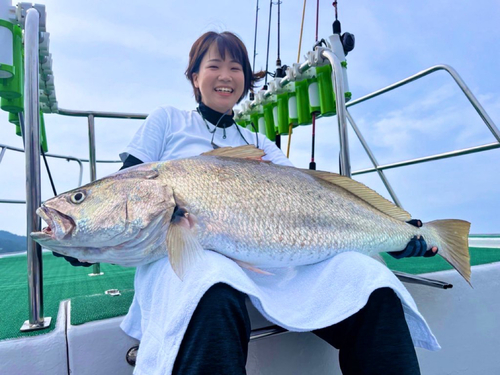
pixel 12 105
pixel 314 103
pixel 269 118
pixel 254 118
pixel 43 134
pixel 11 88
pixel 14 119
pixel 325 88
pixel 302 95
pixel 7 69
pixel 283 123
pixel 293 116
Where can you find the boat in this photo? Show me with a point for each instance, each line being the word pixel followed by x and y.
pixel 61 319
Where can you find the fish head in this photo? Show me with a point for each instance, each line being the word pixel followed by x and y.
pixel 108 218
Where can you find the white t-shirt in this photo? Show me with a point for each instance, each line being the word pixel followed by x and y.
pixel 169 133
pixel 301 298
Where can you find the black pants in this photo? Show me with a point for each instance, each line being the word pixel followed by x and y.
pixel 375 340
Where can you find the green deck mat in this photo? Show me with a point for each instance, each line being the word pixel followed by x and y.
pixel 484 236
pixel 478 255
pixel 89 303
pixel 60 281
pixel 100 306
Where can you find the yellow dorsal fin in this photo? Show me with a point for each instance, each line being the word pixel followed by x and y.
pixel 363 192
pixel 242 152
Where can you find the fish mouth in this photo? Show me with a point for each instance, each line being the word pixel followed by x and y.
pixel 59 225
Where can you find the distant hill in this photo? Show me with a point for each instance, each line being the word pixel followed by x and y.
pixel 11 243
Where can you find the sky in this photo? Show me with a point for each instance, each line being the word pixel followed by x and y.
pixel 130 57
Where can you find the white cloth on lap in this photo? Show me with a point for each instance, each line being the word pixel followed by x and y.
pixel 299 299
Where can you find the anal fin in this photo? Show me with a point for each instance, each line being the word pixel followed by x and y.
pixel 378 258
pixel 250 267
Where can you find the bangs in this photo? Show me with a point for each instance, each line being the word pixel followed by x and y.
pixel 226 43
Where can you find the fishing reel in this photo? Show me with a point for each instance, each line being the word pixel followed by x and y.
pixel 347 39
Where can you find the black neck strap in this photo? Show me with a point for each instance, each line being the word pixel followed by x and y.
pixel 221 120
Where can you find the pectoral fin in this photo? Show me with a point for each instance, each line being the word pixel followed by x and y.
pixel 184 249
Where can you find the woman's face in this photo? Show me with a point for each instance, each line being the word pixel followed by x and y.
pixel 221 82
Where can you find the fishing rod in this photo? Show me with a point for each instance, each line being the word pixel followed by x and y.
pixel 312 163
pixel 48 171
pixel 21 125
pixel 255 37
pixel 280 72
pixel 268 41
pixel 290 126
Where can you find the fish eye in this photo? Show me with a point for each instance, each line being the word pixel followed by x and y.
pixel 78 197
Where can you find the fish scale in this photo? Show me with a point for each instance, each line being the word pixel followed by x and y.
pixel 257 213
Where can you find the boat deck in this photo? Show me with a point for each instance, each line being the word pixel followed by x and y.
pixel 90 303
pixel 61 282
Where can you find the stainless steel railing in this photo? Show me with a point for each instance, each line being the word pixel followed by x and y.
pixel 32 152
pixel 68 158
pixel 338 88
pixel 380 168
pixel 475 103
pixel 80 161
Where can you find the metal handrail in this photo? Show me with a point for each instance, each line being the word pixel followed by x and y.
pixel 80 162
pixel 116 115
pixel 444 155
pixel 33 193
pixel 374 161
pixel 13 201
pixel 68 158
pixel 472 99
pixel 338 88
pixel 475 103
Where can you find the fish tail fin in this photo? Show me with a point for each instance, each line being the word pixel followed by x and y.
pixel 454 236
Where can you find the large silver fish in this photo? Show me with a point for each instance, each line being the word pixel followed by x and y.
pixel 257 213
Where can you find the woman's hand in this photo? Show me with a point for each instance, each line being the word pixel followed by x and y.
pixel 417 247
pixel 73 261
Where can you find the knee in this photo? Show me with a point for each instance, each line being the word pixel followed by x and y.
pixel 384 295
pixel 384 301
pixel 222 298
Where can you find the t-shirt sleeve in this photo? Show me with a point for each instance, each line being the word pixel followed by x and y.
pixel 149 141
pixel 273 153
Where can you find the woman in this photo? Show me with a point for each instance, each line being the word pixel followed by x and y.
pixel 200 325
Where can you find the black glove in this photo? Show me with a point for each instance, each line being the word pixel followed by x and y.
pixel 417 247
pixel 73 261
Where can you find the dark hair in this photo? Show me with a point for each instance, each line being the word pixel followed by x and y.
pixel 226 41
